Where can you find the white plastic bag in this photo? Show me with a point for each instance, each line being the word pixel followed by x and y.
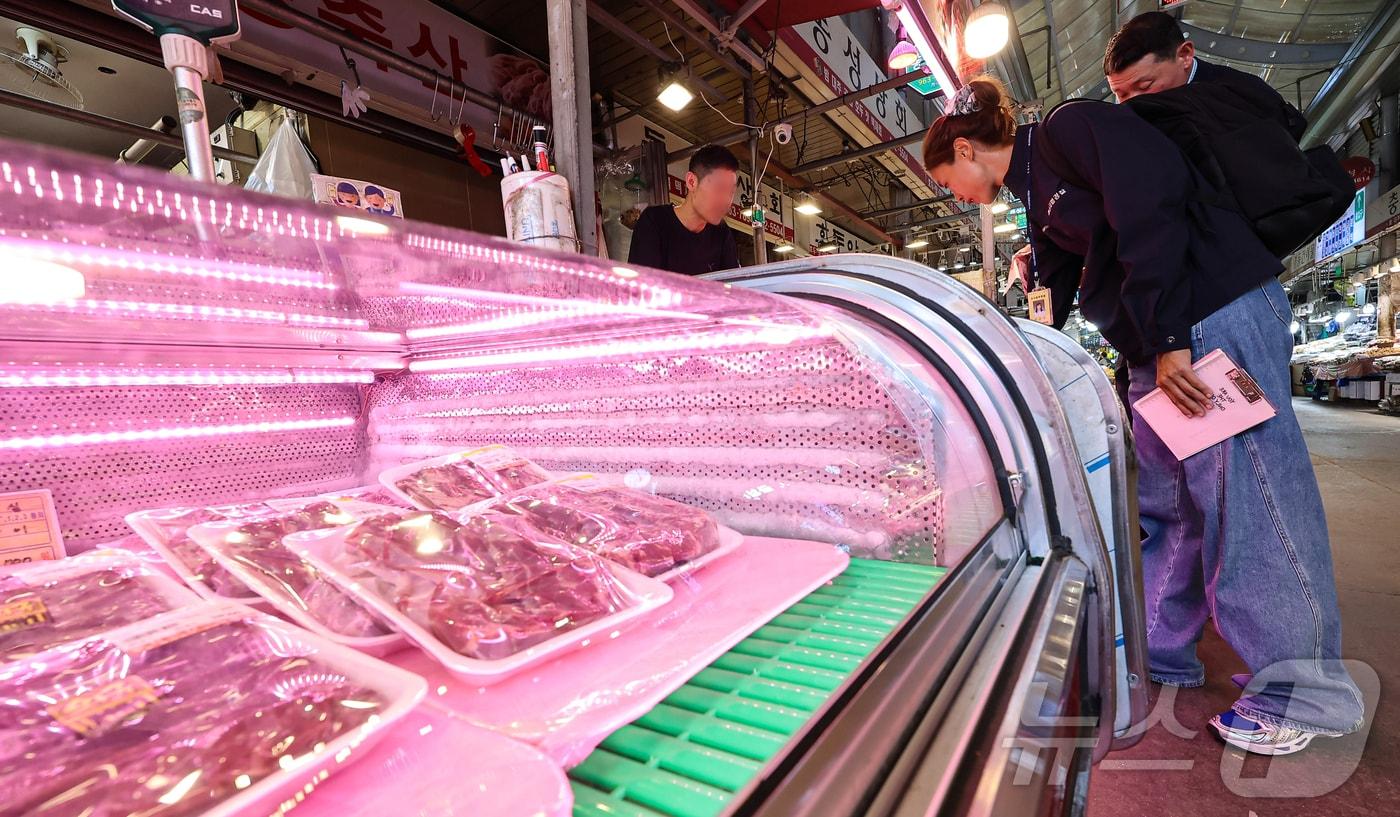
pixel 285 168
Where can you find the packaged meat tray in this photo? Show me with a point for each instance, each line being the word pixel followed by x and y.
pixel 487 596
pixel 651 535
pixel 454 481
pixel 46 604
pixel 209 710
pixel 167 531
pixel 252 550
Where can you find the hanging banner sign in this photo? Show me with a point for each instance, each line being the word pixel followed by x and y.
pixel 1346 231
pixel 829 49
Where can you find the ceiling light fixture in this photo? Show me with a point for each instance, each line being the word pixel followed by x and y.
pixel 675 95
pixel 1000 207
pixel 917 244
pixel 987 31
pixel 903 56
pixel 808 207
pixel 783 248
pixel 827 248
pixel 1005 227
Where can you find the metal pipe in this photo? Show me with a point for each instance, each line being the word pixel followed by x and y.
pixel 1343 92
pixel 194 123
pixel 831 104
pixel 933 222
pixel 760 246
pixel 142 147
pixel 573 129
pixel 818 164
pixel 732 23
pixel 29 103
pixel 622 30
pixel 711 25
pixel 891 211
pixel 672 19
pixel 290 16
pixel 1390 142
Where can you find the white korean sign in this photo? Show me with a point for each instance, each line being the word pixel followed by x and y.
pixel 1383 213
pixel 829 49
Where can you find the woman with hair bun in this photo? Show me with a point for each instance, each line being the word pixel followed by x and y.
pixel 1117 215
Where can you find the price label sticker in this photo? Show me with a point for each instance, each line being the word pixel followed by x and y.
pixel 29 528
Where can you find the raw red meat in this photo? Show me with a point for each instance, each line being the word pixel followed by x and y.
pixel 258 546
pixel 481 475
pixel 647 533
pixel 168 730
pixel 34 617
pixel 488 587
pixel 173 525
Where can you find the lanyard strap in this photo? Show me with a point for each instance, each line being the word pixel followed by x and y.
pixel 1030 228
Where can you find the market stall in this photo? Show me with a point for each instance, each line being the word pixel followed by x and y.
pixel 374 514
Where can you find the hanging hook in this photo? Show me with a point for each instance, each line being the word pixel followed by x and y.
pixel 350 63
pixel 432 107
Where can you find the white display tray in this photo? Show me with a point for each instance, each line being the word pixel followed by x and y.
pixel 210 536
pixel 401 689
pixel 729 541
pixel 389 477
pixel 152 534
pixel 319 547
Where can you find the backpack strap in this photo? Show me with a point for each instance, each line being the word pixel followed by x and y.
pixel 1050 152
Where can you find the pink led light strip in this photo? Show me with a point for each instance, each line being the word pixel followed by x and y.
pixel 161 310
pixel 545 310
pixel 128 260
pixel 173 433
pixel 686 344
pixel 137 377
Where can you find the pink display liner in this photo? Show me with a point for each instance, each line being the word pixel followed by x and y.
pixel 568 706
pixel 433 765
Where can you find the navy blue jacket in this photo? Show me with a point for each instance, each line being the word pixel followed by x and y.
pixel 1149 259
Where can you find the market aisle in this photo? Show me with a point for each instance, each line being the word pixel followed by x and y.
pixel 1356 452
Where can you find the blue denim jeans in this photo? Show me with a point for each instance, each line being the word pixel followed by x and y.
pixel 1238 532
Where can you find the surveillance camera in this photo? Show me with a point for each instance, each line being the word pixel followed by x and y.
pixel 783 133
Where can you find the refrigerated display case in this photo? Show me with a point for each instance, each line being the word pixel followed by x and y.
pixel 923 614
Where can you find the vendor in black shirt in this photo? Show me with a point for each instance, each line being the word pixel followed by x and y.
pixel 691 237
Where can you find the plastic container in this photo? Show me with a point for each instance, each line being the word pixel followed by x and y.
pixel 328 551
pixel 166 531
pixel 638 530
pixel 477 475
pixel 291 596
pixel 45 604
pixel 286 709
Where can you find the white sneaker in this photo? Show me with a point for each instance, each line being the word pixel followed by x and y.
pixel 1261 738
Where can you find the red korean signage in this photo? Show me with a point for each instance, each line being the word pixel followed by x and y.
pixel 1362 170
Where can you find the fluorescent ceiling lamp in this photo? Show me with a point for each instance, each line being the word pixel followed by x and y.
pixel 903 56
pixel 675 95
pixel 917 244
pixel 808 207
pixel 1000 207
pixel 927 51
pixel 987 30
pixel 964 249
pixel 1005 227
pixel 783 247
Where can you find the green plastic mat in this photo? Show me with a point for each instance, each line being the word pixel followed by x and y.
pixel 691 753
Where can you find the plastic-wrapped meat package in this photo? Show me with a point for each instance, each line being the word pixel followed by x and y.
pixel 447 487
pixel 54 603
pixel 646 533
pixel 455 481
pixel 170 720
pixel 257 545
pixel 488 587
pixel 168 530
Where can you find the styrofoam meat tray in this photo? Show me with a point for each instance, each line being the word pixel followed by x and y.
pixel 321 548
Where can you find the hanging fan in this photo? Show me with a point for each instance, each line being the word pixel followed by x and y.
pixel 34 71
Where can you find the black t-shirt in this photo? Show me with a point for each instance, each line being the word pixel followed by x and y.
pixel 660 241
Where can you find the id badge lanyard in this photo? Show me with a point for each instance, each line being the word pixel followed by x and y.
pixel 1038 299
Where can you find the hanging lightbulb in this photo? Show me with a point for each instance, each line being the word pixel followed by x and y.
pixel 987 30
pixel 903 56
pixel 918 243
pixel 808 207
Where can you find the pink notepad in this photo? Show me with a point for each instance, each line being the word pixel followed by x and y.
pixel 1238 404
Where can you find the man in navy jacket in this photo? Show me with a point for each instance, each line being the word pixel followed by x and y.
pixel 1217 543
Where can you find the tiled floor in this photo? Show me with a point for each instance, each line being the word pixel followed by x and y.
pixel 1179 768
